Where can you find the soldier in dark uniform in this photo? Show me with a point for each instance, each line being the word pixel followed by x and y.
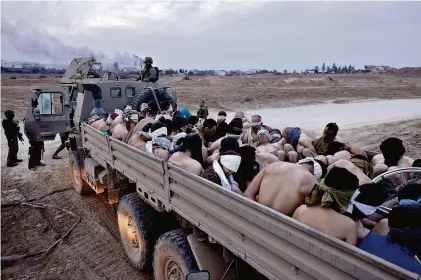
pixel 202 113
pixel 149 73
pixel 63 138
pixel 12 132
pixel 35 153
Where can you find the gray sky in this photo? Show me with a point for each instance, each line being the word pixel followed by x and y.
pixel 215 35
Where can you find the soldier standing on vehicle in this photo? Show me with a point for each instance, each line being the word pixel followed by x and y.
pixel 63 138
pixel 12 132
pixel 149 73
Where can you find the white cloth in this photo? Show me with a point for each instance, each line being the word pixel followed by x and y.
pixel 118 112
pixel 149 147
pixel 178 136
pixel 364 208
pixel 316 167
pixel 231 162
pixel 163 131
pixel 266 133
pixel 220 172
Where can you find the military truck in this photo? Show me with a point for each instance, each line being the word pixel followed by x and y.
pixel 174 222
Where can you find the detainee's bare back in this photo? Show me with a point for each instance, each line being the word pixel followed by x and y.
pixel 281 186
pixel 328 221
pixel 187 163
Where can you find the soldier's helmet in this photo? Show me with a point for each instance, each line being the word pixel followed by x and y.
pixel 148 60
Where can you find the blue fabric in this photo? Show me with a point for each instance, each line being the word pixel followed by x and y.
pixel 185 112
pixel 379 246
pixel 293 134
pixel 409 202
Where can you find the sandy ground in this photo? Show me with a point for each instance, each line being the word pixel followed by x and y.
pixel 93 249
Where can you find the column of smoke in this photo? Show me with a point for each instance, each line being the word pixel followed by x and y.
pixel 125 60
pixel 24 42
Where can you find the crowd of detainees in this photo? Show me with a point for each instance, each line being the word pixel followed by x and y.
pixel 323 182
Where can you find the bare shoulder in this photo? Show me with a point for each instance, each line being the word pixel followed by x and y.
pixel 377 159
pixel 298 212
pixel 173 157
pixel 196 167
pixel 267 157
pixel 405 162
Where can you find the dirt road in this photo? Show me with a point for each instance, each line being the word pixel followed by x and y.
pixel 93 249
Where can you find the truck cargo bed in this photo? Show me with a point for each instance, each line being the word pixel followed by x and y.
pixel 276 245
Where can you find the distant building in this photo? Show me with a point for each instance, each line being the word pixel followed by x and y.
pixel 377 69
pixel 252 71
pixel 11 65
pixel 221 72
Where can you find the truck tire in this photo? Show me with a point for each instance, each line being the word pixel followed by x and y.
pixel 80 186
pixel 138 226
pixel 173 257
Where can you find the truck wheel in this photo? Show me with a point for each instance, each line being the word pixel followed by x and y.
pixel 80 186
pixel 138 229
pixel 173 258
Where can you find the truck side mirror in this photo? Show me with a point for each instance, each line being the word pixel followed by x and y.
pixel 198 275
pixel 37 115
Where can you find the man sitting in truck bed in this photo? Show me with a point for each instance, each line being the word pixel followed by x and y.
pixel 325 204
pixel 392 156
pixel 281 186
pixel 189 157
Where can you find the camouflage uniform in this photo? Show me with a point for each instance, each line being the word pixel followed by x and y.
pixel 12 132
pixel 203 112
pixel 149 73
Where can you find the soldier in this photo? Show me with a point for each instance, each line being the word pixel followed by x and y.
pixel 202 113
pixel 12 132
pixel 149 74
pixel 35 153
pixel 63 138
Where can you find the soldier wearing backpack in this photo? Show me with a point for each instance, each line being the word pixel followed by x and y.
pixel 149 73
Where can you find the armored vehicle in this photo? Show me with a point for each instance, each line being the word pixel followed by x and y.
pixel 175 222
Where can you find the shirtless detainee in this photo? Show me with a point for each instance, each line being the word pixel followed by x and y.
pixel 362 178
pixel 322 144
pixel 121 130
pixel 325 204
pixel 392 156
pixel 190 155
pixel 295 140
pixel 281 186
pixel 265 145
pixel 235 130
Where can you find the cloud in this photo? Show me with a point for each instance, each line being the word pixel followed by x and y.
pixel 217 35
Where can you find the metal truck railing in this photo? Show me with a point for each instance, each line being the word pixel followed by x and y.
pixel 276 245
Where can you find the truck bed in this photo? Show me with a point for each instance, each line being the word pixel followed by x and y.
pixel 276 245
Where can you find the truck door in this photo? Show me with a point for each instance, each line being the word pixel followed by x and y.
pixel 48 114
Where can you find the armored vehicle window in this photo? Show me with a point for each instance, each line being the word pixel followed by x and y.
pixel 130 91
pixel 50 103
pixel 115 92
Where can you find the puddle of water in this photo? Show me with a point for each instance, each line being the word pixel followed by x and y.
pixel 315 117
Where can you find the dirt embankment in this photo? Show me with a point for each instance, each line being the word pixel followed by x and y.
pixel 249 92
pixel 93 249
